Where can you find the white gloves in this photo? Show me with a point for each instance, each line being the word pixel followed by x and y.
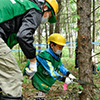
pixel 32 69
pixel 69 79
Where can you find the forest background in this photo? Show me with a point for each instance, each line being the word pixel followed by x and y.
pixel 76 20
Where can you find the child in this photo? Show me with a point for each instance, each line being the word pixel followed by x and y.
pixel 49 64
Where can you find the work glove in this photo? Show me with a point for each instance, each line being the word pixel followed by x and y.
pixel 72 77
pixel 31 69
pixel 68 81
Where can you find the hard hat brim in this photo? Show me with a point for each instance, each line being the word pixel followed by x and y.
pixel 65 45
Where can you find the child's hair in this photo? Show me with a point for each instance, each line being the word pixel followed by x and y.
pixel 53 43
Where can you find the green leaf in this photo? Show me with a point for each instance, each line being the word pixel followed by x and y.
pixel 75 28
pixel 76 16
pixel 79 87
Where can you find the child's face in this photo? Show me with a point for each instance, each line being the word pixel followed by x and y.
pixel 56 47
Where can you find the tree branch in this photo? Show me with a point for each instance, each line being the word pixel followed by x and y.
pixel 95 22
pixel 95 54
pixel 94 10
pixel 98 62
pixel 74 1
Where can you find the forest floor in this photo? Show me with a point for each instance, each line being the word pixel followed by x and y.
pixel 56 92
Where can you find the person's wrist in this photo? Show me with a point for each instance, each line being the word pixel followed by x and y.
pixel 63 79
pixel 67 74
pixel 33 60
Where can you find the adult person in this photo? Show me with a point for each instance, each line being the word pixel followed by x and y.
pixel 49 65
pixel 19 20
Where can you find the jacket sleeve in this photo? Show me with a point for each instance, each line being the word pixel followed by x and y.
pixel 30 22
pixel 64 70
pixel 49 68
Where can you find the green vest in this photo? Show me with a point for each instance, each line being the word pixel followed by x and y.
pixel 11 8
pixel 12 40
pixel 42 80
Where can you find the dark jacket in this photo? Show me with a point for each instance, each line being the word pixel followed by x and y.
pixel 24 26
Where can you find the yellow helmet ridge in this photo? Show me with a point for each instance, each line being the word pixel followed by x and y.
pixel 57 38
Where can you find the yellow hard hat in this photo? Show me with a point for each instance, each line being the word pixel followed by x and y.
pixel 57 38
pixel 54 5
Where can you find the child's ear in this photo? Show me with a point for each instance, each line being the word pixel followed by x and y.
pixel 45 7
pixel 51 45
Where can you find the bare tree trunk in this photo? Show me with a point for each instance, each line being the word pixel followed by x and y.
pixel 51 29
pixel 39 38
pixel 46 34
pixel 69 31
pixel 71 52
pixel 66 25
pixel 57 28
pixel 93 23
pixel 84 48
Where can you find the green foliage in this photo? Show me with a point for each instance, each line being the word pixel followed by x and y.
pixel 76 29
pixel 76 16
pixel 98 14
pixel 26 80
pixel 65 52
pixel 79 87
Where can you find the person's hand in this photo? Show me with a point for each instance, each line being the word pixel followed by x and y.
pixel 72 77
pixel 68 81
pixel 32 69
pixel 33 66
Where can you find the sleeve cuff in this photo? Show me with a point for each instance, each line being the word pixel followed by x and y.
pixel 67 74
pixel 62 79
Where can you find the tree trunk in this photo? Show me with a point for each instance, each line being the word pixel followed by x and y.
pixel 69 30
pixel 93 23
pixel 57 28
pixel 46 34
pixel 51 29
pixel 39 38
pixel 84 48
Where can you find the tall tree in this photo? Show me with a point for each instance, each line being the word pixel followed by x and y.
pixel 93 22
pixel 85 47
pixel 46 34
pixel 69 28
pixel 57 30
pixel 39 37
pixel 51 29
